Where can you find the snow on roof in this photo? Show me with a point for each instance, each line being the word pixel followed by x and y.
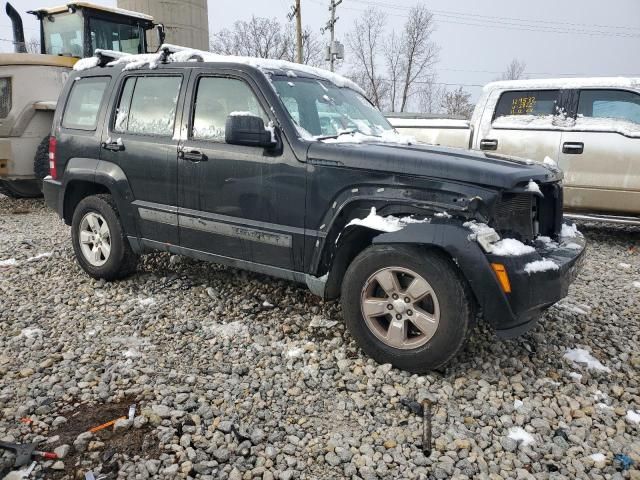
pixel 95 6
pixel 184 54
pixel 564 83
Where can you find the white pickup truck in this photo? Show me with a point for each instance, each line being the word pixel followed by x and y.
pixel 589 126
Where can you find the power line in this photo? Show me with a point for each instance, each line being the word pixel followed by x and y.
pixel 456 19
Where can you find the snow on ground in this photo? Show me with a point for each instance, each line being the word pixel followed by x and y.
pixel 520 435
pixel 543 265
pixel 384 224
pixel 624 266
pixel 576 376
pixel 633 416
pixel 517 403
pixel 8 263
pixel 30 332
pixel 636 284
pixel 597 457
pixel 510 247
pixel 146 302
pixel 579 355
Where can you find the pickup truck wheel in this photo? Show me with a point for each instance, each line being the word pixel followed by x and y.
pixel 406 307
pixel 100 245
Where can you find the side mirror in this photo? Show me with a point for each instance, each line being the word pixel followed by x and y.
pixel 248 130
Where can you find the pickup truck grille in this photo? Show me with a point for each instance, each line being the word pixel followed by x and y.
pixel 525 216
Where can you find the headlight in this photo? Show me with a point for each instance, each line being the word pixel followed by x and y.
pixel 5 97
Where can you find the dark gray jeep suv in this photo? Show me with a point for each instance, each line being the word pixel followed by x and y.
pixel 289 171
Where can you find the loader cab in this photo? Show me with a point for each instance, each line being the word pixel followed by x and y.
pixel 78 29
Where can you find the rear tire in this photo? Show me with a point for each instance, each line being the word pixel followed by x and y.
pixel 99 242
pixel 419 320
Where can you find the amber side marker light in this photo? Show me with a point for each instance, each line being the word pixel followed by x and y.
pixel 503 278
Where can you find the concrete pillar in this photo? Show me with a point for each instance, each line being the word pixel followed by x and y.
pixel 186 21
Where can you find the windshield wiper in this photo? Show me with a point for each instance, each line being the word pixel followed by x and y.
pixel 343 132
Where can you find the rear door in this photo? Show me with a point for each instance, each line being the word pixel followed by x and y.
pixel 522 124
pixel 600 155
pixel 140 139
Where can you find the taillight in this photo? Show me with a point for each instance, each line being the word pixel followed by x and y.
pixel 52 158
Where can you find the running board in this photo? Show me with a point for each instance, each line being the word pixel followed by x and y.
pixel 603 218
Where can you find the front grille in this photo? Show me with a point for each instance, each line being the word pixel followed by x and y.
pixel 5 97
pixel 514 216
pixel 524 216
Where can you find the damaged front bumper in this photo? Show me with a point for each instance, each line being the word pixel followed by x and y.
pixel 537 280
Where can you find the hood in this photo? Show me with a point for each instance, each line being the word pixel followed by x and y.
pixel 466 166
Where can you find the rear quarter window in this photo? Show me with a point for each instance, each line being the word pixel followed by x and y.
pixel 83 103
pixel 527 102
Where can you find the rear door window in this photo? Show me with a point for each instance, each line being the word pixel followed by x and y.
pixel 147 105
pixel 527 102
pixel 610 104
pixel 83 104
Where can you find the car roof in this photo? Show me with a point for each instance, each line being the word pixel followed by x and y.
pixel 566 83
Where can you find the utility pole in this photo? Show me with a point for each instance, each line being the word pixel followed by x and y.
pixel 296 11
pixel 299 30
pixel 335 50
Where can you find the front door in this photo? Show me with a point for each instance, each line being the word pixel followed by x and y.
pixel 600 155
pixel 523 124
pixel 140 139
pixel 236 201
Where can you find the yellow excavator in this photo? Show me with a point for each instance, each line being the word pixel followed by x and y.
pixel 31 82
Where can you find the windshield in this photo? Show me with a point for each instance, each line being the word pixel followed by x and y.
pixel 63 34
pixel 321 109
pixel 120 37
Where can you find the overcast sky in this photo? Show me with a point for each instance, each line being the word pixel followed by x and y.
pixel 477 38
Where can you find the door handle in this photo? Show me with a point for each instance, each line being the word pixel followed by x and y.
pixel 573 148
pixel 488 144
pixel 116 146
pixel 192 155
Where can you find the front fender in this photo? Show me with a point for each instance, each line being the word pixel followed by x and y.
pixel 453 238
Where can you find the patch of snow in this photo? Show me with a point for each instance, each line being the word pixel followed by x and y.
pixel 544 239
pixel 242 114
pixel 319 321
pixel 570 231
pixel 478 229
pixel 599 395
pixel 636 284
pixel 624 266
pixel 384 224
pixel 86 63
pixel 291 73
pixel 572 246
pixel 633 416
pixel 543 265
pixel 39 256
pixel 510 247
pixel 580 355
pixel 146 302
pixel 442 215
pixel 267 304
pixel 576 376
pixel 272 130
pixel 291 84
pixel 597 457
pixel 132 353
pixel 549 161
pixel 520 435
pixel 533 187
pixel 8 263
pixel 30 332
pixel 604 406
pixel 294 352
pixel 517 403
pixel 386 136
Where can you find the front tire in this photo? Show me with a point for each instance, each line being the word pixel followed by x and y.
pixel 406 306
pixel 99 242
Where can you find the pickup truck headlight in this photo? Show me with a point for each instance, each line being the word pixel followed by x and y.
pixel 5 96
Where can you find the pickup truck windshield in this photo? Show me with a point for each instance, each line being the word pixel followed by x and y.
pixel 321 109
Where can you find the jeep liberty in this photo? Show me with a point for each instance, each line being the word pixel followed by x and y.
pixel 288 170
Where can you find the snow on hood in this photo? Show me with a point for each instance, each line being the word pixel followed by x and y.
pixel 623 82
pixel 184 54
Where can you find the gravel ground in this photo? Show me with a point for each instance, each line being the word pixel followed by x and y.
pixel 239 376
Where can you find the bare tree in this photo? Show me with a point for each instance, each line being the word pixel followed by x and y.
pixel 514 71
pixel 419 53
pixel 364 43
pixel 265 38
pixel 393 63
pixel 33 45
pixel 429 96
pixel 457 102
